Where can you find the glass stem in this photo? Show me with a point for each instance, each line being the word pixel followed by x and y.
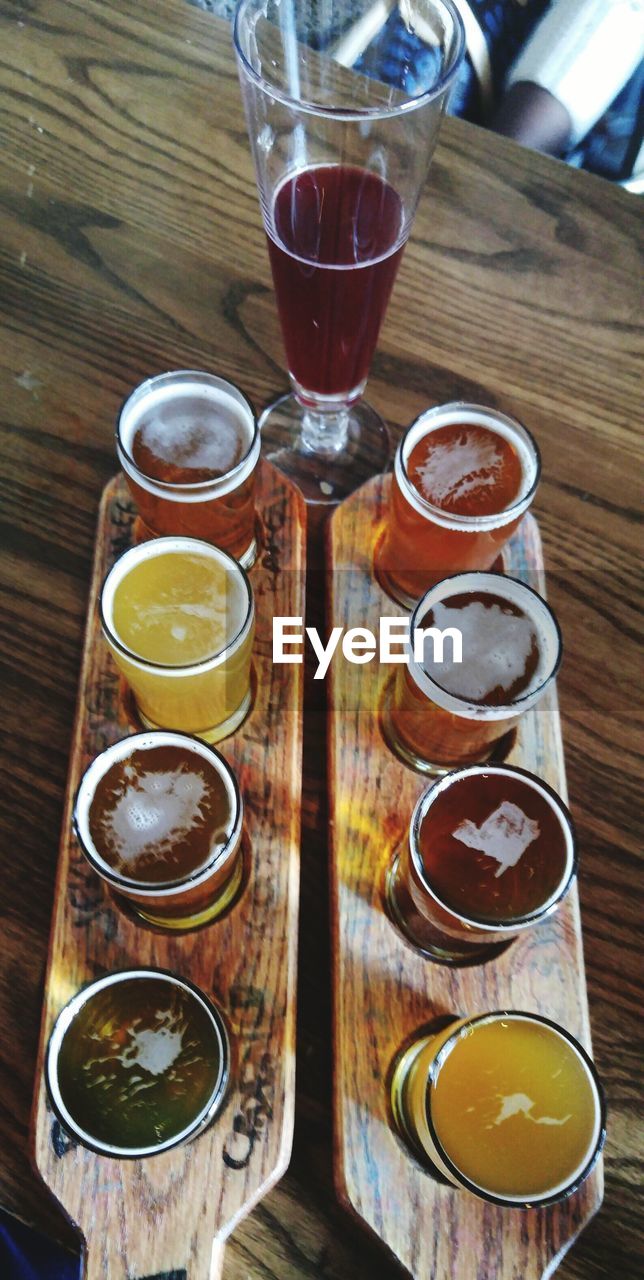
pixel 325 431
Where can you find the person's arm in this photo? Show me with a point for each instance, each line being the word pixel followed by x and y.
pixel 575 63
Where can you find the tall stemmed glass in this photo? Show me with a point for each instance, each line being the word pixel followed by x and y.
pixel 341 155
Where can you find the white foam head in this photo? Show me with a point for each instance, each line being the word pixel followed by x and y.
pixel 146 405
pixel 448 468
pixel 120 751
pixel 481 668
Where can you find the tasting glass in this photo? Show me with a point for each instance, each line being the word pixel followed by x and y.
pixel 190 900
pixel 434 926
pixel 433 730
pixel 209 698
pixel 220 510
pixel 342 135
pixel 413 1082
pixel 423 543
pixel 103 1001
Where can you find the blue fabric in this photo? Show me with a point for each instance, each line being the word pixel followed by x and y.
pixel 609 149
pixel 26 1255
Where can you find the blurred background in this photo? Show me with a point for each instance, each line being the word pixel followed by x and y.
pixel 563 76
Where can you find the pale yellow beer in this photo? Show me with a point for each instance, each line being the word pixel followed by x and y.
pixel 178 616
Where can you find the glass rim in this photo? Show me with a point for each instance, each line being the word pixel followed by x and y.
pixel 518 923
pixel 452 519
pixel 163 888
pixel 462 706
pixel 67 1016
pixel 354 113
pixel 159 546
pixel 196 487
pixel 563 1190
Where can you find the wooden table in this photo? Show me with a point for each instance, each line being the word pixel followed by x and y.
pixel 131 242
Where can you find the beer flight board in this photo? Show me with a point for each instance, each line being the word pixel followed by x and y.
pixel 171 1214
pixel 247 959
pixel 385 987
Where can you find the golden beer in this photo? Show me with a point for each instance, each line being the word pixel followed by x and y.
pixel 178 616
pixel 506 1105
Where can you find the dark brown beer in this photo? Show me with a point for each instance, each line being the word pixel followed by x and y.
pixel 493 847
pixel 160 814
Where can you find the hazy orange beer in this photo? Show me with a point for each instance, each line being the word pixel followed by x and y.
pixel 505 1105
pixel 464 475
pixel 490 853
pixel 444 713
pixel 189 444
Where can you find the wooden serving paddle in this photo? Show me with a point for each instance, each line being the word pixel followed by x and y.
pixel 384 991
pixel 158 1217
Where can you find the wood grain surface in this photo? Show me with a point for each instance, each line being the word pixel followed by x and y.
pixel 384 991
pixel 131 242
pixel 246 961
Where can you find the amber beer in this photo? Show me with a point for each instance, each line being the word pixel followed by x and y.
pixel 464 476
pixel 159 818
pixel 490 853
pixel 505 1105
pixel 189 446
pixel 441 714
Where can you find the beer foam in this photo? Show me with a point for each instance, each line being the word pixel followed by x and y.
pixel 519 1104
pixel 196 433
pixel 505 835
pixel 458 467
pixel 496 649
pixel 155 812
pixel 154 1049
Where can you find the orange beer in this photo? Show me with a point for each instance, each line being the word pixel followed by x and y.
pixel 442 714
pixel 505 1105
pixel 189 445
pixel 464 476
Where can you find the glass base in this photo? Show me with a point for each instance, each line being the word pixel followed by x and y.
pixel 326 453
pixel 495 753
pixel 249 557
pixel 427 941
pixel 402 1066
pixel 181 924
pixel 397 593
pixel 213 735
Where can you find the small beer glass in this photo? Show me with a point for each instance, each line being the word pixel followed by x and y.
pixel 490 852
pixel 441 713
pixel 463 477
pixel 505 1105
pixel 159 818
pixel 189 444
pixel 138 1062
pixel 179 617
